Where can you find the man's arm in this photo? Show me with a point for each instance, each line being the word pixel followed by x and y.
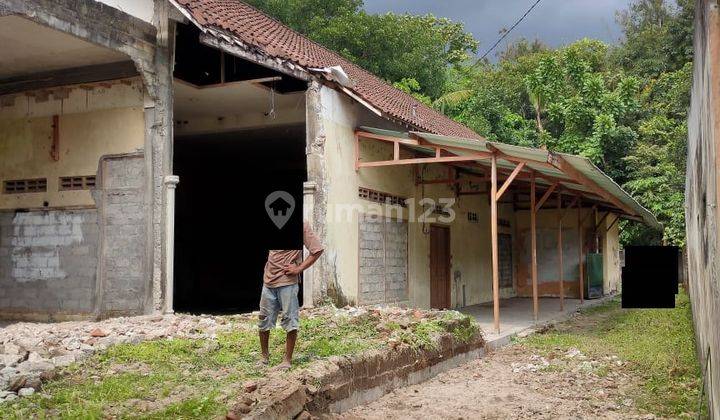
pixel 292 269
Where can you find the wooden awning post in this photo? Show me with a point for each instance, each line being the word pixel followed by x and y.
pixel 580 253
pixel 560 252
pixel 494 243
pixel 533 242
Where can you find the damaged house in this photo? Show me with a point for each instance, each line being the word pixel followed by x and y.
pixel 123 124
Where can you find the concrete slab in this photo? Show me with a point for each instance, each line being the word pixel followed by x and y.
pixel 516 316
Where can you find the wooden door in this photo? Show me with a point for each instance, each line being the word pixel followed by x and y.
pixel 439 267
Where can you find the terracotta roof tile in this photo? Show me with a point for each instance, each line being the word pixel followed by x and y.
pixel 268 35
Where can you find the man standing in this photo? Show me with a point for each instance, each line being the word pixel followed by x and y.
pixel 280 293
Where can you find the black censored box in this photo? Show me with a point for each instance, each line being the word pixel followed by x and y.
pixel 650 276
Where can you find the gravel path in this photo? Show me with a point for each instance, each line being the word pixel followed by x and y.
pixel 514 382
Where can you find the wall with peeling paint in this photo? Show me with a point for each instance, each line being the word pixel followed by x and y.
pixel 470 242
pixel 548 276
pixel 92 123
pixel 702 194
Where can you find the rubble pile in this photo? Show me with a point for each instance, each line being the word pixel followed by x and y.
pixel 31 352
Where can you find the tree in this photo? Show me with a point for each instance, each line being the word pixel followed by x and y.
pixel 395 47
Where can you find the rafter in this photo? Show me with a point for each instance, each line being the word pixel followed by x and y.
pixel 509 180
pixel 546 196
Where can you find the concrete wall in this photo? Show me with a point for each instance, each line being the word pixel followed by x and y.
pixel 84 254
pixel 470 242
pixel 702 197
pixel 92 123
pixel 48 263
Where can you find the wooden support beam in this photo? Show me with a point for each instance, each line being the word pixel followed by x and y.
pixel 560 252
pixel 396 150
pixel 560 163
pixel 545 196
pixel 494 244
pixel 602 219
pixel 509 180
pixel 415 161
pixel 590 213
pixel 571 205
pixel 580 253
pixel 612 224
pixel 533 244
pixel 391 139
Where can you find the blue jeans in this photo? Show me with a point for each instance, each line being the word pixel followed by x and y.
pixel 274 300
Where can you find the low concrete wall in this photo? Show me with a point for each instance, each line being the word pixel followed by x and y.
pixel 343 382
pixel 48 263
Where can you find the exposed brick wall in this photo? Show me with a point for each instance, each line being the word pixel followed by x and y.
pixel 383 260
pixel 48 261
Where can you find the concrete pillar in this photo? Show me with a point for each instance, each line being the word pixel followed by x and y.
pixel 309 189
pixel 171 182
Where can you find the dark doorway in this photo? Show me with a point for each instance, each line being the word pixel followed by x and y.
pixel 220 248
pixel 439 267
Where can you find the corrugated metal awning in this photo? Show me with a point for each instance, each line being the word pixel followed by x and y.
pixel 572 172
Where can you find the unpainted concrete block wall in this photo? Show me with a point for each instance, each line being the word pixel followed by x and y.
pixel 383 260
pixel 48 262
pixel 123 220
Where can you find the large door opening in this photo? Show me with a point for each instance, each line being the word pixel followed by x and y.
pixel 219 250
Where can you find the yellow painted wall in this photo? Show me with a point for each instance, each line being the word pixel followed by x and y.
pixel 93 123
pixel 470 242
pixel 611 257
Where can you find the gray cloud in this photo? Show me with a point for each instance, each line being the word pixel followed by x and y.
pixel 556 22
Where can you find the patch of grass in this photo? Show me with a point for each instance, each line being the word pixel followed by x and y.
pixel 421 335
pixel 183 378
pixel 659 345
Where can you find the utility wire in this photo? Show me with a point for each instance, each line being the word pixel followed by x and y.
pixel 510 30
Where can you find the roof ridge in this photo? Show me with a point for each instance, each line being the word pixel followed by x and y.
pixel 273 38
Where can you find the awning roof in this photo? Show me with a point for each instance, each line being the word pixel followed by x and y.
pixel 574 173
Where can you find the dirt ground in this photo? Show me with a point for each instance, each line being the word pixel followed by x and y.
pixel 514 382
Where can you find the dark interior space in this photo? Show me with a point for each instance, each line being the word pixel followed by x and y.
pixel 222 231
pixel 201 65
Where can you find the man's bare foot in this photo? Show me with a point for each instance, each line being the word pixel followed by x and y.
pixel 285 365
pixel 263 362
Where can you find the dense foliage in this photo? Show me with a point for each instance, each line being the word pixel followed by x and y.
pixel 623 106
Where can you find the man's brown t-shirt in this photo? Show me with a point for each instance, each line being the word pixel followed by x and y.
pixel 278 259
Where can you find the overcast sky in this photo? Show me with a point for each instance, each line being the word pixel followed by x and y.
pixel 556 22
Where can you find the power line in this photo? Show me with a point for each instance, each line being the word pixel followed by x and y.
pixel 510 30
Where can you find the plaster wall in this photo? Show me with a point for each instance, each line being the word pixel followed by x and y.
pixel 92 122
pixel 548 258
pixel 470 242
pixel 701 197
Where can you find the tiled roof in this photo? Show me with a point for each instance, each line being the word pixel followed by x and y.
pixel 258 30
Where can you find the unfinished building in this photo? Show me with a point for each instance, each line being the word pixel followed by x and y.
pixel 129 134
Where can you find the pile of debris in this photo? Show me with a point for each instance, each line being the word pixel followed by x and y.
pixel 31 352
